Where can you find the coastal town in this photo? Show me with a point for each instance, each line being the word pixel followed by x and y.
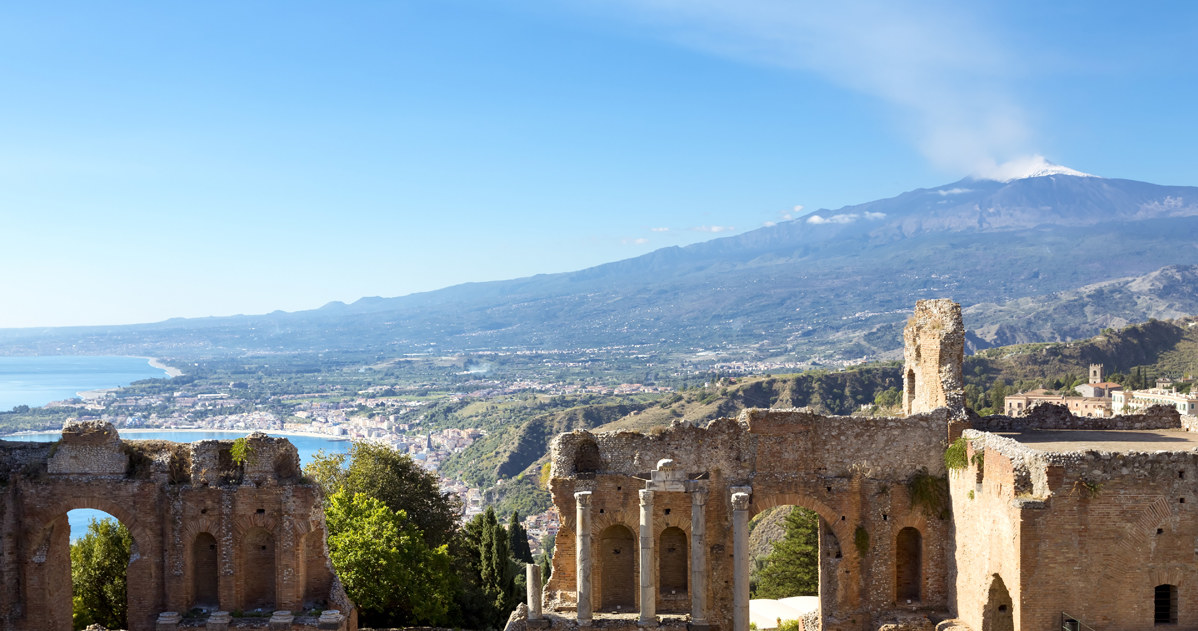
pixel 391 415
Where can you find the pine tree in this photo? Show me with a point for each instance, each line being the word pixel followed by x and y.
pixel 792 568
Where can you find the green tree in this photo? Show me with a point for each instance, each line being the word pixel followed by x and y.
pixel 792 568
pixel 393 478
pixel 385 564
pixel 518 539
pixel 490 589
pixel 99 563
pixel 888 398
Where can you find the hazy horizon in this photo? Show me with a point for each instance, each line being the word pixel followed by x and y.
pixel 167 161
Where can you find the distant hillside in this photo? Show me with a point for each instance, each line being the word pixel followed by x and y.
pixel 1154 348
pixel 1170 292
pixel 836 283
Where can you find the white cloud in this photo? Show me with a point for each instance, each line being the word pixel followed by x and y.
pixel 713 228
pixel 635 241
pixel 937 62
pixel 770 224
pixel 1022 167
pixel 792 213
pixel 660 229
pixel 843 218
pixel 955 191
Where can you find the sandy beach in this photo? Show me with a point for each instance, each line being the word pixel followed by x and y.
pixel 171 371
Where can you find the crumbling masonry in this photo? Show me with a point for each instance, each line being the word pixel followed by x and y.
pixel 208 532
pixel 1046 521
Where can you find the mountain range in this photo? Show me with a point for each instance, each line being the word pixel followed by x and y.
pixel 1056 255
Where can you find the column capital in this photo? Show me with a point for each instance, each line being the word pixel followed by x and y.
pixel 583 498
pixel 741 500
pixel 698 494
pixel 646 497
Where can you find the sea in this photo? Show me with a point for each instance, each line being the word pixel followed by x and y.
pixel 36 381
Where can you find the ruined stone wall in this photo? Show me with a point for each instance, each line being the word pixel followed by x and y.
pixel 170 496
pixel 1055 416
pixel 853 472
pixel 933 353
pixel 986 542
pixel 1089 533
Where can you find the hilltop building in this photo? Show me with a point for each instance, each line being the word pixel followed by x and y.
pixel 1127 402
pixel 936 520
pixel 1095 400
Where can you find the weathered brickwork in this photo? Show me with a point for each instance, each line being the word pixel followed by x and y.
pixel 207 532
pixel 1053 516
pixel 934 350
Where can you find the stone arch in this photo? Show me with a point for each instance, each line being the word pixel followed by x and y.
pixel 909 387
pixel 205 566
pixel 1125 559
pixel 908 565
pixel 48 575
pixel 586 457
pixel 1164 604
pixel 258 569
pixel 672 556
pixel 998 614
pixel 617 568
pixel 839 527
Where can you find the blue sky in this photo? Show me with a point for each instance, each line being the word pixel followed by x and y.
pixel 192 159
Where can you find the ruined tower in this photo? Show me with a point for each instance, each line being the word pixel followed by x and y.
pixel 934 349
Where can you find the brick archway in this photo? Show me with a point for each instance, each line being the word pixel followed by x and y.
pixel 167 495
pixel 48 562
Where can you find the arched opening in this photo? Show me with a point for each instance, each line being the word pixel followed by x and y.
pixel 587 458
pixel 98 564
pixel 617 572
pixel 1164 604
pixel 204 572
pixel 909 389
pixel 998 614
pixel 793 550
pixel 672 557
pixel 258 564
pixel 908 565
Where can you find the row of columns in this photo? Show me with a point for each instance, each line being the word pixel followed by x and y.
pixel 647 579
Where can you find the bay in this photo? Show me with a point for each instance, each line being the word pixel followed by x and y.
pixel 307 446
pixel 36 381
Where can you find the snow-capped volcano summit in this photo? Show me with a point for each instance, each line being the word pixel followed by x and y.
pixel 1023 168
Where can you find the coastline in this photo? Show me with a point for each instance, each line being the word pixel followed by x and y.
pixel 170 371
pixel 154 430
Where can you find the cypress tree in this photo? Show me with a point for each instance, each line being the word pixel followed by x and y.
pixel 518 539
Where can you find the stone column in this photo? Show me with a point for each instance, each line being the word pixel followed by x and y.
pixel 648 585
pixel 218 621
pixel 168 621
pixel 281 620
pixel 698 556
pixel 582 555
pixel 532 580
pixel 740 562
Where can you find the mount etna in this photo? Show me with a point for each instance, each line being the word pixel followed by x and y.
pixel 1052 255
